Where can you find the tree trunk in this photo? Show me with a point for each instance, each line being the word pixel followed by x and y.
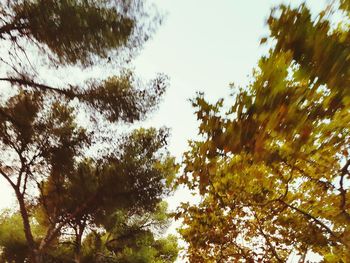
pixel 77 256
pixel 38 257
pixel 33 253
pixel 78 238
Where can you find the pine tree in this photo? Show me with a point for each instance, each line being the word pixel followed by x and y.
pixel 45 144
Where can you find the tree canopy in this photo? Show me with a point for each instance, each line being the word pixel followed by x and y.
pixel 122 236
pixel 273 170
pixel 48 128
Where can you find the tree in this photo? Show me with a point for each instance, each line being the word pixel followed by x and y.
pixel 133 181
pixel 273 171
pixel 133 238
pixel 124 236
pixel 45 144
pixel 12 240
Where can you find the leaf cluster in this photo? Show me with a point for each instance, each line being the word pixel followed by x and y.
pixel 273 170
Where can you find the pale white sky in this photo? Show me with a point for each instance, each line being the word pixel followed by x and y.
pixel 203 45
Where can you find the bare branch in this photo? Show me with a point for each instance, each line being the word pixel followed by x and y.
pixel 30 83
pixel 7 178
pixel 317 221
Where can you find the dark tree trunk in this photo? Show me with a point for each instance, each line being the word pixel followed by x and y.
pixel 33 253
pixel 78 238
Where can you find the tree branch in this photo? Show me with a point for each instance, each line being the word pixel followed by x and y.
pixel 7 178
pixel 344 171
pixel 317 221
pixel 272 248
pixel 30 83
pixel 6 29
pixel 52 233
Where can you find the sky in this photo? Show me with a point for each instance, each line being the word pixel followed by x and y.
pixel 202 45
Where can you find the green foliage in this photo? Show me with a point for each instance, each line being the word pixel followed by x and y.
pixel 140 247
pixel 67 27
pixel 12 240
pixel 273 171
pixel 13 244
pixel 124 237
pixel 132 238
pixel 80 33
pixel 43 144
pixel 120 99
pixel 148 250
pixel 345 5
pixel 79 192
pixel 131 179
pixel 75 31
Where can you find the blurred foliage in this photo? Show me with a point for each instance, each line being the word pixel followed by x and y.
pixel 12 240
pixel 72 29
pixel 76 193
pixel 273 171
pixel 37 35
pixel 132 238
pixel 122 237
pixel 47 127
pixel 134 180
pixel 76 31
